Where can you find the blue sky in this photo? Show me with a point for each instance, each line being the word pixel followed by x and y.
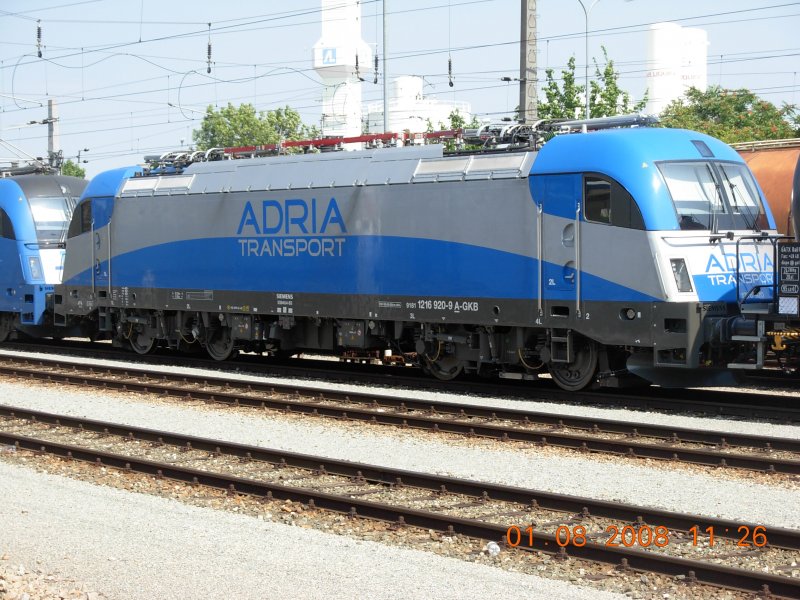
pixel 129 75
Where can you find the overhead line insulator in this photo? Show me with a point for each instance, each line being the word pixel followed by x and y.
pixel 208 63
pixel 450 72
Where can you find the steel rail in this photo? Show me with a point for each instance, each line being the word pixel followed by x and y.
pixel 693 570
pixel 710 402
pixel 463 419
pixel 784 538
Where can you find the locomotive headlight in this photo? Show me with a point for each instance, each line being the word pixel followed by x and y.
pixel 681 274
pixel 35 266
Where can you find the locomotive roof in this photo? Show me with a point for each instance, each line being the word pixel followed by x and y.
pixel 627 155
pixel 335 169
pixel 614 151
pixel 39 186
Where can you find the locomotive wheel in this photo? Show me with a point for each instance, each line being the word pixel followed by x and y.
pixel 444 369
pixel 219 344
pixel 581 372
pixel 141 343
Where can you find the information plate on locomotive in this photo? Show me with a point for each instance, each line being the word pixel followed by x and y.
pixel 789 278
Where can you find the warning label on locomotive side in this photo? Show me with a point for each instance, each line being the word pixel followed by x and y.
pixel 789 278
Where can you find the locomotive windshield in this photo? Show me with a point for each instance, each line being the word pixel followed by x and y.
pixel 51 215
pixel 713 196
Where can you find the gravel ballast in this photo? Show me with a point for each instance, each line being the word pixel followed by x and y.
pixel 716 423
pixel 127 545
pixel 628 482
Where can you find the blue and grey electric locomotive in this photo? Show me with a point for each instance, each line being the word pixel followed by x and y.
pixel 600 255
pixel 34 213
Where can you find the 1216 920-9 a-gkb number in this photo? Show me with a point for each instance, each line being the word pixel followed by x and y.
pixel 450 305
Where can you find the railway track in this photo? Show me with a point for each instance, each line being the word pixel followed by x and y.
pixel 760 406
pixel 561 525
pixel 775 376
pixel 590 435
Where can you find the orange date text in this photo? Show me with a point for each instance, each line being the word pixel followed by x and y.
pixel 642 536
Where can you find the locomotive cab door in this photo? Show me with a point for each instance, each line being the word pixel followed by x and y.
pixel 101 245
pixel 558 200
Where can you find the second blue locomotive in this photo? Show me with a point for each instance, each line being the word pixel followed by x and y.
pixel 35 211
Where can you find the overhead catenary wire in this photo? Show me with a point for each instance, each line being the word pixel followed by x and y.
pixel 24 14
pixel 160 123
pixel 430 52
pixel 267 18
pixel 236 28
pixel 140 95
pixel 304 72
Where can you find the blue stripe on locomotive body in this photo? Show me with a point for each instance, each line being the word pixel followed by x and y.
pixel 472 271
pixel 229 264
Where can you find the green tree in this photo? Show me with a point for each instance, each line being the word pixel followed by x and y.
pixel 455 121
pixel 72 169
pixel 563 102
pixel 243 126
pixel 731 115
pixel 606 98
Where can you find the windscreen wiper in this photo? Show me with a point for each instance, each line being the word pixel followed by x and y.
pixel 734 191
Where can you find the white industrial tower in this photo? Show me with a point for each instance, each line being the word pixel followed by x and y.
pixel 677 60
pixel 335 62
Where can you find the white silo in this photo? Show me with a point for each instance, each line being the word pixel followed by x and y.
pixel 410 110
pixel 335 62
pixel 663 66
pixel 694 70
pixel 677 60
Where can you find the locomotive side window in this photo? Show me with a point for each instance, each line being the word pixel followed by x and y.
pixel 606 201
pixel 81 219
pixel 597 200
pixel 6 226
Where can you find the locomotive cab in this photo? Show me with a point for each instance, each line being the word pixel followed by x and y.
pixel 88 243
pixel 721 260
pixel 652 253
pixel 35 211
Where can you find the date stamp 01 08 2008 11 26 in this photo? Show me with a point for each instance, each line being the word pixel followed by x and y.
pixel 643 536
